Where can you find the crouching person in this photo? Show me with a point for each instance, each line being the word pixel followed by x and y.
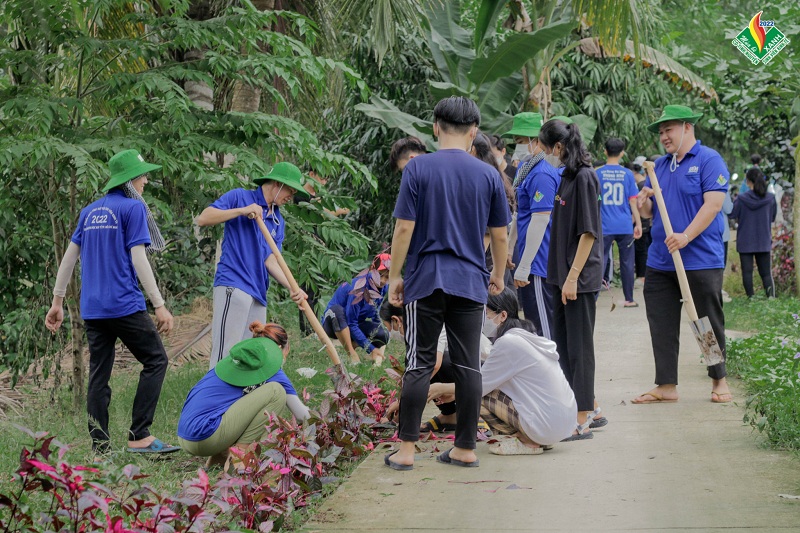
pixel 232 404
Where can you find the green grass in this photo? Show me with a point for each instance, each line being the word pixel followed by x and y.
pixel 57 417
pixel 757 313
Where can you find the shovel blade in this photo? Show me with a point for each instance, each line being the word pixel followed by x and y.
pixel 704 335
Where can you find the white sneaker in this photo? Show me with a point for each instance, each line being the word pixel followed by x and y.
pixel 725 297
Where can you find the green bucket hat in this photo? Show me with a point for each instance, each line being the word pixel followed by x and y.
pixel 562 118
pixel 125 166
pixel 526 125
pixel 287 174
pixel 675 112
pixel 250 362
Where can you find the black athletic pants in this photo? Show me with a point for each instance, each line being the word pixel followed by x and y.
pixel 641 245
pixel 573 333
pixel 537 303
pixel 662 295
pixel 463 320
pixel 764 263
pixel 138 332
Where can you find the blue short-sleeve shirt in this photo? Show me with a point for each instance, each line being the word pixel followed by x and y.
pixel 617 187
pixel 210 399
pixel 536 194
pixel 702 170
pixel 244 248
pixel 452 197
pixel 107 230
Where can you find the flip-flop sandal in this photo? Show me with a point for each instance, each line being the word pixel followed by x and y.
pixel 582 433
pixel 717 400
pixel 436 425
pixel 156 447
pixel 397 466
pixel 658 399
pixel 515 447
pixel 445 458
pixel 484 428
pixel 631 306
pixel 599 422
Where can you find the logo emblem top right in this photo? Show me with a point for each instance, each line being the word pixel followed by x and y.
pixel 760 41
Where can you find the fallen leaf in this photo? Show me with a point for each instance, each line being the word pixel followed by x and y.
pixel 622 403
pixel 789 496
pixel 492 441
pixel 514 486
pixel 652 457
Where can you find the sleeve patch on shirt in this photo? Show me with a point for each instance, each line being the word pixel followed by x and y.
pixel 721 179
pixel 538 196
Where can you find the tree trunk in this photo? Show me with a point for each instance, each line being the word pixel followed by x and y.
pixel 796 218
pixel 246 98
pixel 74 308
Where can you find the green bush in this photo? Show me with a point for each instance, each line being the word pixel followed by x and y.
pixel 768 364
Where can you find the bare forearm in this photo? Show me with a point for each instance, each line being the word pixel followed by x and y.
pixel 646 210
pixel 499 238
pixel 401 240
pixel 276 272
pixel 637 219
pixel 211 216
pixel 701 221
pixel 582 254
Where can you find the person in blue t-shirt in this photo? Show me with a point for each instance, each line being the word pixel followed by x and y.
pixel 621 222
pixel 538 182
pixel 447 200
pixel 112 239
pixel 351 315
pixel 694 180
pixel 241 282
pixel 233 403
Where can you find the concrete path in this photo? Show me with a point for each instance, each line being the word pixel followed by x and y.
pixel 687 466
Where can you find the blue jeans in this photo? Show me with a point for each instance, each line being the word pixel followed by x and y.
pixel 626 261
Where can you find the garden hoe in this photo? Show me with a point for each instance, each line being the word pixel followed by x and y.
pixel 701 327
pixel 312 318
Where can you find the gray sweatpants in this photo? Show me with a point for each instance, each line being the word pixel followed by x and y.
pixel 234 311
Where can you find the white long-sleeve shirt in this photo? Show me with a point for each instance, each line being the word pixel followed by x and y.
pixel 525 367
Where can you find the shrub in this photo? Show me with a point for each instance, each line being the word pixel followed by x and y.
pixel 783 261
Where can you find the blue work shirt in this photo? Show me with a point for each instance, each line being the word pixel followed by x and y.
pixel 107 230
pixel 244 248
pixel 210 399
pixel 617 187
pixel 537 194
pixel 356 313
pixel 702 170
pixel 452 197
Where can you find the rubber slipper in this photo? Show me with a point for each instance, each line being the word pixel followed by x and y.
pixel 397 466
pixel 634 305
pixel 658 399
pixel 717 400
pixel 445 458
pixel 156 447
pixel 436 425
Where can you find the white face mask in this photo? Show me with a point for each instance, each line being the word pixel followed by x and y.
pixel 489 327
pixel 396 335
pixel 553 160
pixel 520 152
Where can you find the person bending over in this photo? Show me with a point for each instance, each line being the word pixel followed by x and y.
pixel 233 402
pixel 404 151
pixel 525 393
pixel 351 314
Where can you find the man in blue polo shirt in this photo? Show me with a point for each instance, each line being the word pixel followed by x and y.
pixel 447 200
pixel 112 239
pixel 538 182
pixel 694 181
pixel 621 222
pixel 241 282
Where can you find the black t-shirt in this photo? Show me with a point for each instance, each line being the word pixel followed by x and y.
pixel 510 170
pixel 645 221
pixel 576 211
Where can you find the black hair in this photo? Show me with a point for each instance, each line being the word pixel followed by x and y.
pixel 456 114
pixel 614 146
pixel 497 142
pixel 512 323
pixel 756 177
pixel 755 159
pixel 505 301
pixel 403 148
pixel 483 150
pixel 574 154
pixel 387 311
pixel 598 163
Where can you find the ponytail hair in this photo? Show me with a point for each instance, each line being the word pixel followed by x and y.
pixel 756 177
pixel 271 331
pixel 574 154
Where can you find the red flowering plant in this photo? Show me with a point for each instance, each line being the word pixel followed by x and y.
pixel 783 261
pixel 367 282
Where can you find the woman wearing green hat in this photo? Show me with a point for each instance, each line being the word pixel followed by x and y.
pixel 112 239
pixel 694 182
pixel 242 279
pixel 234 401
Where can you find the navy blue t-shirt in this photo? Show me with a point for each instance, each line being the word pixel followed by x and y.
pixel 618 186
pixel 701 170
pixel 209 400
pixel 107 230
pixel 536 194
pixel 453 197
pixel 244 248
